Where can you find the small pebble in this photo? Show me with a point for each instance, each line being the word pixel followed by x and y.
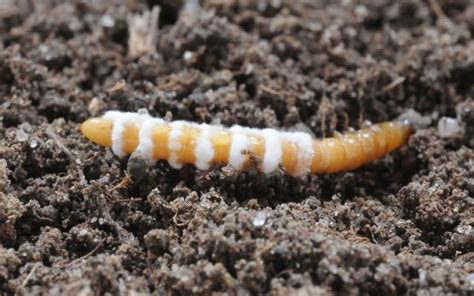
pixel 361 11
pixel 34 144
pixel 21 136
pixel 260 219
pixel 464 229
pixel 107 21
pixel 94 106
pixel 448 127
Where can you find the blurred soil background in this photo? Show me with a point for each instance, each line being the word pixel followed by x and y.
pixel 402 225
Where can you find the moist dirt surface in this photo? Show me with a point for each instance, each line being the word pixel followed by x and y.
pixel 71 222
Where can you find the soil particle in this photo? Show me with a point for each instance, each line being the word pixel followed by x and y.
pixel 75 219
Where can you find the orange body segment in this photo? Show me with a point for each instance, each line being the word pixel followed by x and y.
pixel 221 142
pixel 316 160
pixel 130 137
pixel 289 156
pixel 160 137
pixel 394 135
pixel 188 141
pixel 367 141
pixel 355 155
pixel 333 155
pixel 380 141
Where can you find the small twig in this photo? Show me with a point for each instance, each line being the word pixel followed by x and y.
pixel 394 83
pixel 28 277
pixel 373 237
pixel 128 200
pixel 88 254
pixel 124 184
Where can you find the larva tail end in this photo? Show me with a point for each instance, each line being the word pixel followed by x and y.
pixel 406 122
pixel 414 120
pixel 408 129
pixel 98 130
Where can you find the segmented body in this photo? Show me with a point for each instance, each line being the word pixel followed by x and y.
pixel 296 153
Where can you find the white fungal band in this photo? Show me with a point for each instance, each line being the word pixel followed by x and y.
pixel 304 143
pixel 204 150
pixel 240 144
pixel 272 157
pixel 305 153
pixel 145 137
pixel 174 144
pixel 121 119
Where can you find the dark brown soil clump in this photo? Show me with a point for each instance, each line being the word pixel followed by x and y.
pixel 70 223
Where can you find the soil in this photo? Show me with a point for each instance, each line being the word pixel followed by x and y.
pixel 73 223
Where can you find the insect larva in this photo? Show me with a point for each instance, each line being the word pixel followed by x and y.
pixel 182 142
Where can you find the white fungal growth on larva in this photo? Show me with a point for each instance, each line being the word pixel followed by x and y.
pixel 240 144
pixel 145 137
pixel 121 119
pixel 118 119
pixel 204 150
pixel 304 142
pixel 272 156
pixel 174 144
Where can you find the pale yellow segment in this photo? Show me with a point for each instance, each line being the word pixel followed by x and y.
pixel 98 130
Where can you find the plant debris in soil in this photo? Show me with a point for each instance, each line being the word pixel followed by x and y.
pixel 71 222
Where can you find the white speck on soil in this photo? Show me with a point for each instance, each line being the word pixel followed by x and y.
pixel 260 219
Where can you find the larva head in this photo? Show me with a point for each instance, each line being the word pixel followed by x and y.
pixel 98 130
